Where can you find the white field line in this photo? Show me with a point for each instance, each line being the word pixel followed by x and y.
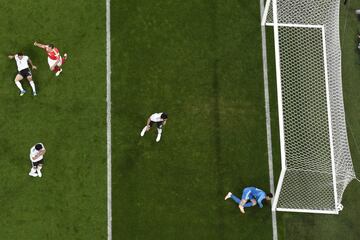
pixel 108 120
pixel 268 122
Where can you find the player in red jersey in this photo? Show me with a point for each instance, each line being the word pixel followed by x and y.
pixel 55 60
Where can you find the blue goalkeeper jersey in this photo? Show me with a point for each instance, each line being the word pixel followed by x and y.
pixel 258 194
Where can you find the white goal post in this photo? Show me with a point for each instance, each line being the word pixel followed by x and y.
pixel 316 164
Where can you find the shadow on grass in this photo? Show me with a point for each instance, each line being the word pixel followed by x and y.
pixel 217 146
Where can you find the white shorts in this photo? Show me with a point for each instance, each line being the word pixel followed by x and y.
pixel 52 62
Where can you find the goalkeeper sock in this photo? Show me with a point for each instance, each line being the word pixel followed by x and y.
pixel 235 198
pixel 248 204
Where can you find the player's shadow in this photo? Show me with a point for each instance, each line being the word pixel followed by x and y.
pixel 216 111
pixel 36 55
pixel 217 142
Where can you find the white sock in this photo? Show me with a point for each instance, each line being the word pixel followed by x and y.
pixel 33 170
pixel 18 84
pixel 143 131
pixel 159 130
pixel 32 84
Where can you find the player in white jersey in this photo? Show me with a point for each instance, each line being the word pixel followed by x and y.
pixel 160 120
pixel 24 71
pixel 37 159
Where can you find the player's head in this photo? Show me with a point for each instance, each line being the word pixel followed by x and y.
pixel 164 115
pixel 269 196
pixel 38 146
pixel 49 47
pixel 20 55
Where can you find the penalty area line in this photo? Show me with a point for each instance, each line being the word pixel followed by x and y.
pixel 268 122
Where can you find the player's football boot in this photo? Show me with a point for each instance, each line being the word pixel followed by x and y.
pixel 58 72
pixel 158 137
pixel 228 195
pixel 22 93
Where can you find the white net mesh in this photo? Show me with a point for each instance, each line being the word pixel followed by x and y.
pixel 308 180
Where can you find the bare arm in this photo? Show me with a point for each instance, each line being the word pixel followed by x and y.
pixel 148 122
pixel 11 56
pixel 31 64
pixel 40 153
pixel 39 45
pixel 164 122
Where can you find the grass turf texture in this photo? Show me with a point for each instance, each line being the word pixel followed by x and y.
pixel 68 116
pixel 201 62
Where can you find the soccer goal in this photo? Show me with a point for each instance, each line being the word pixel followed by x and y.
pixel 315 155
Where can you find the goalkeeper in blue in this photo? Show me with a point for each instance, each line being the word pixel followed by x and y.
pixel 250 197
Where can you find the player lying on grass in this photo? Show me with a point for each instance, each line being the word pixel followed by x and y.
pixel 160 120
pixel 250 197
pixel 55 60
pixel 24 71
pixel 37 159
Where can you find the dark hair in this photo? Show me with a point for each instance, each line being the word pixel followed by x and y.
pixel 270 195
pixel 20 54
pixel 38 146
pixel 164 115
pixel 51 45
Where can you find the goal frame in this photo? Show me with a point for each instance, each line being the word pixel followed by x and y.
pixel 276 26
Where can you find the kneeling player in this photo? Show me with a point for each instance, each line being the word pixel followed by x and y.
pixel 250 197
pixel 24 71
pixel 37 159
pixel 160 120
pixel 55 60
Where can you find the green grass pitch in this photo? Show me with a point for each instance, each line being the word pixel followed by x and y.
pixel 68 116
pixel 198 60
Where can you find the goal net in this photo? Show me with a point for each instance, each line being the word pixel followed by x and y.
pixel 315 155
